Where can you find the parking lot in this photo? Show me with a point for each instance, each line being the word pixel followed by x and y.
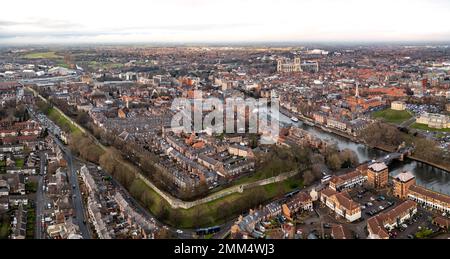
pixel 318 224
pixel 421 220
pixel 372 203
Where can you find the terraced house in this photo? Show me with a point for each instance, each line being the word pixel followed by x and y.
pixel 431 199
pixel 348 181
pixel 379 225
pixel 341 203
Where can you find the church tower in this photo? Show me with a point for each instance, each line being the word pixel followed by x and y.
pixel 357 90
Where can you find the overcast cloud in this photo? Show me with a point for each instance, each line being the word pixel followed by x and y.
pixel 94 21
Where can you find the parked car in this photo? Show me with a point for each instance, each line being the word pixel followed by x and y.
pixel 326 225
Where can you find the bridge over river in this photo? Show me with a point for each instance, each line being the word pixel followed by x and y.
pixel 426 175
pixel 400 155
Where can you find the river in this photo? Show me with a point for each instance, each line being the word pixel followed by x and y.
pixel 428 176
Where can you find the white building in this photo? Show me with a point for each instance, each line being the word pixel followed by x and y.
pixel 434 120
pixel 398 106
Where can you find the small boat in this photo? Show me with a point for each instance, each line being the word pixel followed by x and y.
pixel 294 119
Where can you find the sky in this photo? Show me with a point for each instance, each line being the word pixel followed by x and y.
pixel 215 21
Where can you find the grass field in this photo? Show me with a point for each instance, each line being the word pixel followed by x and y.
pixel 211 213
pixel 61 121
pixel 20 163
pixel 425 127
pixel 102 65
pixel 31 222
pixel 42 55
pixel 392 116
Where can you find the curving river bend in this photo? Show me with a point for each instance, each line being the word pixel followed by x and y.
pixel 428 176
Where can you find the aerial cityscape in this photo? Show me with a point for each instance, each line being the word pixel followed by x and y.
pixel 266 137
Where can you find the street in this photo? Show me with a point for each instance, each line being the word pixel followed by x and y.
pixel 77 197
pixel 40 203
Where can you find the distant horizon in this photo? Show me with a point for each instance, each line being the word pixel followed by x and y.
pixel 200 21
pixel 292 44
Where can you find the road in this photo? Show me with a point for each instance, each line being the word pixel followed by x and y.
pixel 48 79
pixel 40 202
pixel 408 123
pixel 77 198
pixel 187 234
pixel 80 217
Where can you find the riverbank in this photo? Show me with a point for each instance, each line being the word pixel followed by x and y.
pixel 311 123
pixel 358 141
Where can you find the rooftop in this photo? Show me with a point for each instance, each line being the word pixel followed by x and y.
pixel 378 167
pixel 405 177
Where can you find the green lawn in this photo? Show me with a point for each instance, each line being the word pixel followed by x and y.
pixel 211 213
pixel 258 175
pixel 20 163
pixel 62 64
pixel 104 65
pixel 420 126
pixel 42 55
pixel 424 233
pixel 61 121
pixel 31 222
pixel 31 186
pixel 392 116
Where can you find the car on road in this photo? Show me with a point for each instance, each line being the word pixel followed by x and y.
pixel 326 225
pixel 179 231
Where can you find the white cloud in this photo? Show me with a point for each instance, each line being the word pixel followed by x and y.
pixel 44 21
